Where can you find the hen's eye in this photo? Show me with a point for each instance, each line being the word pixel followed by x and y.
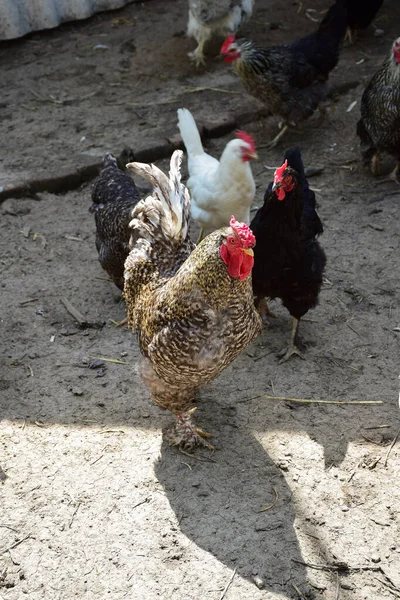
pixel 232 241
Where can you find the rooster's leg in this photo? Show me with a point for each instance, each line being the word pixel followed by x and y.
pixel 375 163
pixel 276 139
pixel 186 435
pixel 263 308
pixel 286 353
pixel 395 174
pixel 201 235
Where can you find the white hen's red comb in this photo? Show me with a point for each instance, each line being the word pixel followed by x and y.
pixel 248 139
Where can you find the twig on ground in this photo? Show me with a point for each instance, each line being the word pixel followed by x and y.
pixel 117 361
pixel 15 544
pixel 352 328
pixel 74 312
pixel 271 505
pixel 391 448
pixel 199 458
pixel 209 89
pixel 310 401
pixel 257 358
pixel 298 591
pixel 390 587
pixel 337 567
pixel 222 596
pixel 147 499
pixel 337 597
pixel 74 514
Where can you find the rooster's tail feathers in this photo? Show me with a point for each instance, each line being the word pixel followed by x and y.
pixel 169 206
pixel 189 132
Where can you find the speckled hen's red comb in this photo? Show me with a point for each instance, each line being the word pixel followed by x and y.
pixel 279 172
pixel 225 46
pixel 248 139
pixel 243 232
pixel 396 50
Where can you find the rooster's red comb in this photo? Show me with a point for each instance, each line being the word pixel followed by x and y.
pixel 225 46
pixel 248 139
pixel 279 172
pixel 243 232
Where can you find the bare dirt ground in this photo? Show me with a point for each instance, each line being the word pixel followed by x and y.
pixel 301 500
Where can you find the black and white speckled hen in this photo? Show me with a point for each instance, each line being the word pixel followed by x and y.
pixel 192 309
pixel 291 79
pixel 208 17
pixel 379 126
pixel 114 195
pixel 288 260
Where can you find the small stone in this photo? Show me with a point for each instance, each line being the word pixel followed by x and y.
pixel 345 508
pixel 259 582
pixel 375 558
pixel 77 391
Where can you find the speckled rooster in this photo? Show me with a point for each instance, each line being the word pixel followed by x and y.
pixel 192 309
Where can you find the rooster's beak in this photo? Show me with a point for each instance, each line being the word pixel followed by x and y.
pixel 275 186
pixel 248 251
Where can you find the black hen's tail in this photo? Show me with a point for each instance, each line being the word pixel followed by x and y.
pixel 322 48
pixel 310 216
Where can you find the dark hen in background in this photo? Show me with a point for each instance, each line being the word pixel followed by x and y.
pixel 290 79
pixel 288 260
pixel 379 126
pixel 360 14
pixel 114 195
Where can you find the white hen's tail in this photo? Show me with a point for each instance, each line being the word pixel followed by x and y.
pixel 166 212
pixel 189 132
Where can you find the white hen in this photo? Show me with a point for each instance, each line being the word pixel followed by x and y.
pixel 207 17
pixel 219 189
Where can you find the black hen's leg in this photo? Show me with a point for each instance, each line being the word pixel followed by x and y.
pixel 292 349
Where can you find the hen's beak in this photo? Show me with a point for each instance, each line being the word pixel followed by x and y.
pixel 248 251
pixel 275 186
pixel 253 155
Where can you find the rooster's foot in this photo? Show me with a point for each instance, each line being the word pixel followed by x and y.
pixel 287 353
pixel 185 435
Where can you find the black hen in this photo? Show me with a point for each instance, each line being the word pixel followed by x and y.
pixel 288 260
pixel 360 14
pixel 291 79
pixel 114 195
pixel 379 126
